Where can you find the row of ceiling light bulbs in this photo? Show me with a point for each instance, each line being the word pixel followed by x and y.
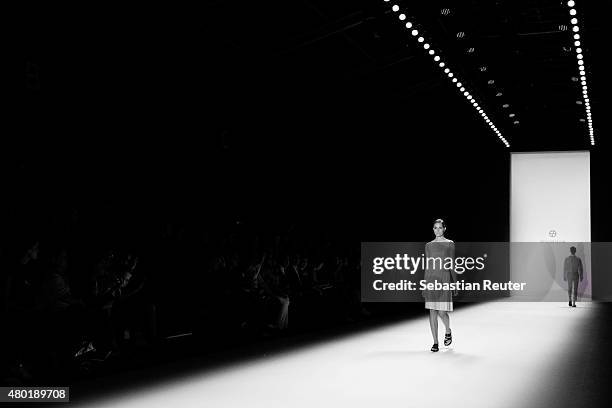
pixel 449 73
pixel 583 80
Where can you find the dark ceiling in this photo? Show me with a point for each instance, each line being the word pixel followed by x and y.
pixel 304 107
pixel 308 73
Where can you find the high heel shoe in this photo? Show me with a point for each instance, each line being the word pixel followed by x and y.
pixel 448 339
pixel 435 348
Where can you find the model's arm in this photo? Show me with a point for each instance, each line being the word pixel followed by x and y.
pixel 566 268
pixel 452 255
pixel 580 268
pixel 426 256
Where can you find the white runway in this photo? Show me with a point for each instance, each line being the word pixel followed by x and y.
pixel 503 355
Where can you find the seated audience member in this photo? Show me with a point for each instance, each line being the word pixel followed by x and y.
pixel 133 311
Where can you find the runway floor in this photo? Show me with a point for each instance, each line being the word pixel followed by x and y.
pixel 503 355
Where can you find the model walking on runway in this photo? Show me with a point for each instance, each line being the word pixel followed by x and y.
pixel 439 302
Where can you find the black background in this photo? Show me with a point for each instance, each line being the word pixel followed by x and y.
pixel 236 114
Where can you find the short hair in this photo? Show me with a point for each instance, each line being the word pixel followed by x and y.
pixel 573 250
pixel 440 221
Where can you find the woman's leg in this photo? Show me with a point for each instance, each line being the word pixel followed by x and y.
pixel 283 317
pixel 445 319
pixel 433 324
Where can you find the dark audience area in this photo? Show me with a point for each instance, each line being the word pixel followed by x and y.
pixel 80 298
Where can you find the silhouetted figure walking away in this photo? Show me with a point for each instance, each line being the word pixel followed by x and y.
pixel 572 272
